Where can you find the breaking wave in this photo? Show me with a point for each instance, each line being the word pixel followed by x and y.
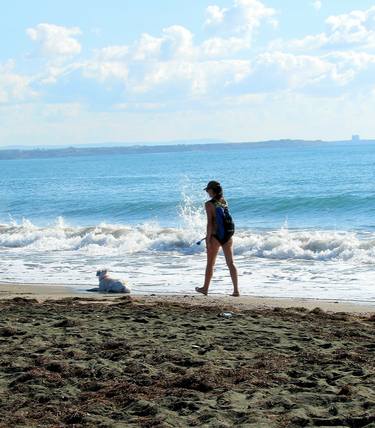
pixel 116 239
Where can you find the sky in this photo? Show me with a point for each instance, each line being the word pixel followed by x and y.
pixel 97 72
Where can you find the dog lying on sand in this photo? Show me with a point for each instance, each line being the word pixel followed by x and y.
pixel 110 285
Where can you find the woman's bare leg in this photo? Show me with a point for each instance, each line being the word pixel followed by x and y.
pixel 212 251
pixel 228 253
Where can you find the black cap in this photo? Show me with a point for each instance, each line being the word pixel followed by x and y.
pixel 213 185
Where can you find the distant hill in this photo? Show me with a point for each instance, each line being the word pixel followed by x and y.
pixel 25 153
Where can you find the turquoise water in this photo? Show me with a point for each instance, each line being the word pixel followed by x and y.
pixel 304 216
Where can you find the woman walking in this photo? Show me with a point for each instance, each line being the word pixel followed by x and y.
pixel 218 236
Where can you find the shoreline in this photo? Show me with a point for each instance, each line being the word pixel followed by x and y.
pixel 43 292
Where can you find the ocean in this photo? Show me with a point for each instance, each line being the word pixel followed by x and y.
pixel 304 215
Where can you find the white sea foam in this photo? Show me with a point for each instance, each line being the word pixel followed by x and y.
pixel 283 262
pixel 151 237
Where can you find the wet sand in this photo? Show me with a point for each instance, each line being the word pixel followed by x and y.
pixel 162 361
pixel 43 292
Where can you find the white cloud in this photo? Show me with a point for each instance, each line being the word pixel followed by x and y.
pixel 355 29
pixel 172 69
pixel 158 70
pixel 170 62
pixel 286 71
pixel 177 42
pixel 317 4
pixel 355 68
pixel 54 71
pixel 139 106
pixel 153 60
pixel 14 87
pixel 147 47
pixel 354 59
pixel 223 47
pixel 215 15
pixel 105 70
pixel 192 79
pixel 244 16
pixel 113 53
pixel 55 40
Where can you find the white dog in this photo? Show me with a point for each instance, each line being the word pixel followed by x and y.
pixel 110 285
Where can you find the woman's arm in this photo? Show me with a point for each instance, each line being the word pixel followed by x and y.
pixel 210 221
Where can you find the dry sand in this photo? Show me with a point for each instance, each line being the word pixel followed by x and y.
pixel 175 361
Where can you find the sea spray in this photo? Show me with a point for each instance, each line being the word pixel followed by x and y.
pixel 115 239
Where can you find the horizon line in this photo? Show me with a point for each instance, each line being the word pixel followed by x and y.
pixel 171 143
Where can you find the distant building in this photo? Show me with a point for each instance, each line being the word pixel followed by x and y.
pixel 356 138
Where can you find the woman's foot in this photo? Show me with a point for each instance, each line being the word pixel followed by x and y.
pixel 201 290
pixel 235 294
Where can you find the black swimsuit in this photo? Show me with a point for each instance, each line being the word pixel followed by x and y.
pixel 224 240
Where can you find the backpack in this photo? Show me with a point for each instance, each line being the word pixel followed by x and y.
pixel 224 220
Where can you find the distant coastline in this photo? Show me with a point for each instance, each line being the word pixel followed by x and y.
pixel 72 151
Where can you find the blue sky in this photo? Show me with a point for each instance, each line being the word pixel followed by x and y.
pixel 91 72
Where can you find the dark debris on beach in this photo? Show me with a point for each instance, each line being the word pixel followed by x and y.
pixel 80 363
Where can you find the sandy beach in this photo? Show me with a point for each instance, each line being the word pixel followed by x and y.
pixel 179 361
